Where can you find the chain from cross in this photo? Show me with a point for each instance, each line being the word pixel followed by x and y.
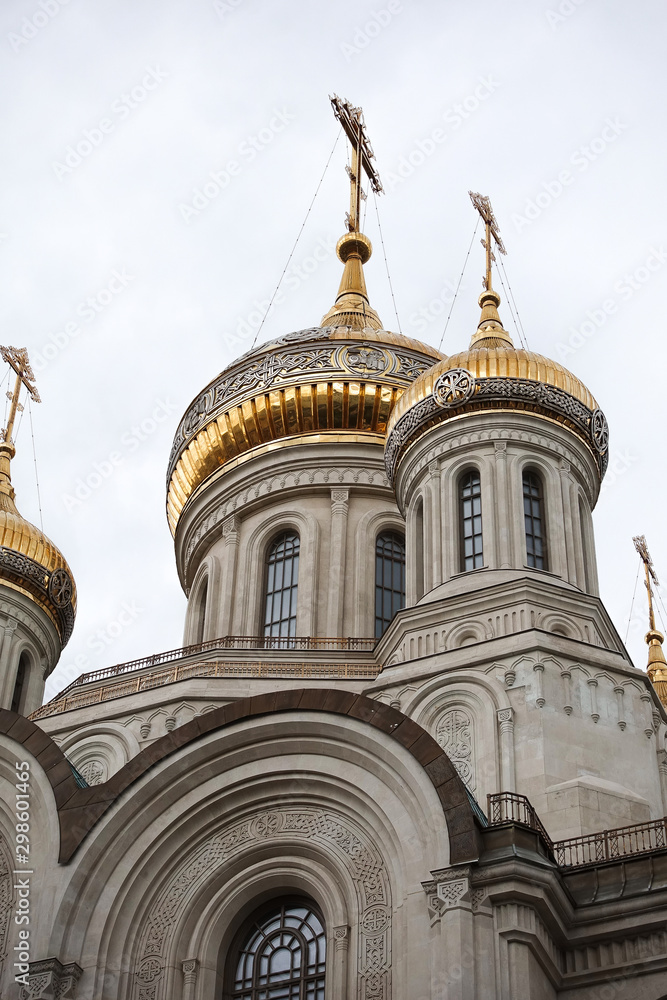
pixel 352 122
pixel 17 359
pixel 483 205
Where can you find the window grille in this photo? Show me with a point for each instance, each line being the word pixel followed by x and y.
pixel 281 586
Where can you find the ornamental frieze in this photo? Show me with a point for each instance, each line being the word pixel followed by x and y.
pixel 260 373
pixel 458 391
pixel 55 589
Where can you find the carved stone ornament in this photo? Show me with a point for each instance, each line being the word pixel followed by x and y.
pixel 54 589
pixel 317 828
pixel 454 387
pixel 449 888
pixel 50 980
pixel 453 733
pixel 599 431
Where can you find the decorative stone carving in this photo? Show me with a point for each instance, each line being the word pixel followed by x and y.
pixel 94 772
pixel 454 733
pixel 326 829
pixel 50 980
pixel 620 692
pixel 538 668
pixel 593 686
pixel 6 898
pixel 449 888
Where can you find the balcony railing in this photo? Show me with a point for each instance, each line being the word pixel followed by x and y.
pixel 288 643
pixel 590 849
pixel 508 807
pixel 81 696
pixel 610 845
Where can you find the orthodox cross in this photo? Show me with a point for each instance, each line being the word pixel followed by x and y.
pixel 17 358
pixel 640 545
pixel 483 206
pixel 352 120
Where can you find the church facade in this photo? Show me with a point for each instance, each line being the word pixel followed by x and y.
pixel 402 753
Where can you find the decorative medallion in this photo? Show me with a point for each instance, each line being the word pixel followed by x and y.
pixel 366 360
pixel 599 431
pixel 60 588
pixel 454 387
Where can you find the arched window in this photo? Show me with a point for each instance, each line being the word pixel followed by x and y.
pixel 281 586
pixel 281 955
pixel 19 683
pixel 389 579
pixel 533 513
pixel 470 506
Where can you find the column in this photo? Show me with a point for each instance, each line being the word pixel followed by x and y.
pixel 227 578
pixel 453 959
pixel 503 506
pixel 436 523
pixel 507 766
pixel 593 686
pixel 620 693
pixel 577 536
pixel 341 948
pixel 569 568
pixel 337 557
pixel 190 968
pixel 567 686
pixel 7 676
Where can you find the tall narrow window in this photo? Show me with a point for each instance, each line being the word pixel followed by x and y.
pixel 19 684
pixel 281 956
pixel 533 512
pixel 470 501
pixel 281 586
pixel 389 579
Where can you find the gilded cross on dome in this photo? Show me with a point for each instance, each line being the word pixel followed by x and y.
pixel 490 331
pixel 17 358
pixel 352 308
pixel 352 121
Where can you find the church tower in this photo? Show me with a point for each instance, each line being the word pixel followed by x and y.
pixel 37 592
pixel 403 752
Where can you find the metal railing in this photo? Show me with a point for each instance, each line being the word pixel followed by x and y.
pixel 288 643
pixel 610 845
pixel 82 697
pixel 589 849
pixel 508 807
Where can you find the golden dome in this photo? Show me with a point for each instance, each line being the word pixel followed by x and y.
pixel 314 384
pixel 30 562
pixel 493 374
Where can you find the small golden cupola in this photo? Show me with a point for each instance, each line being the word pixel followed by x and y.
pixel 657 665
pixel 32 570
pixel 493 374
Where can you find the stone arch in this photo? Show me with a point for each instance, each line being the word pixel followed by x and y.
pixel 382 749
pixel 465 634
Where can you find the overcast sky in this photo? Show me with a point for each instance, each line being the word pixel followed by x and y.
pixel 158 162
